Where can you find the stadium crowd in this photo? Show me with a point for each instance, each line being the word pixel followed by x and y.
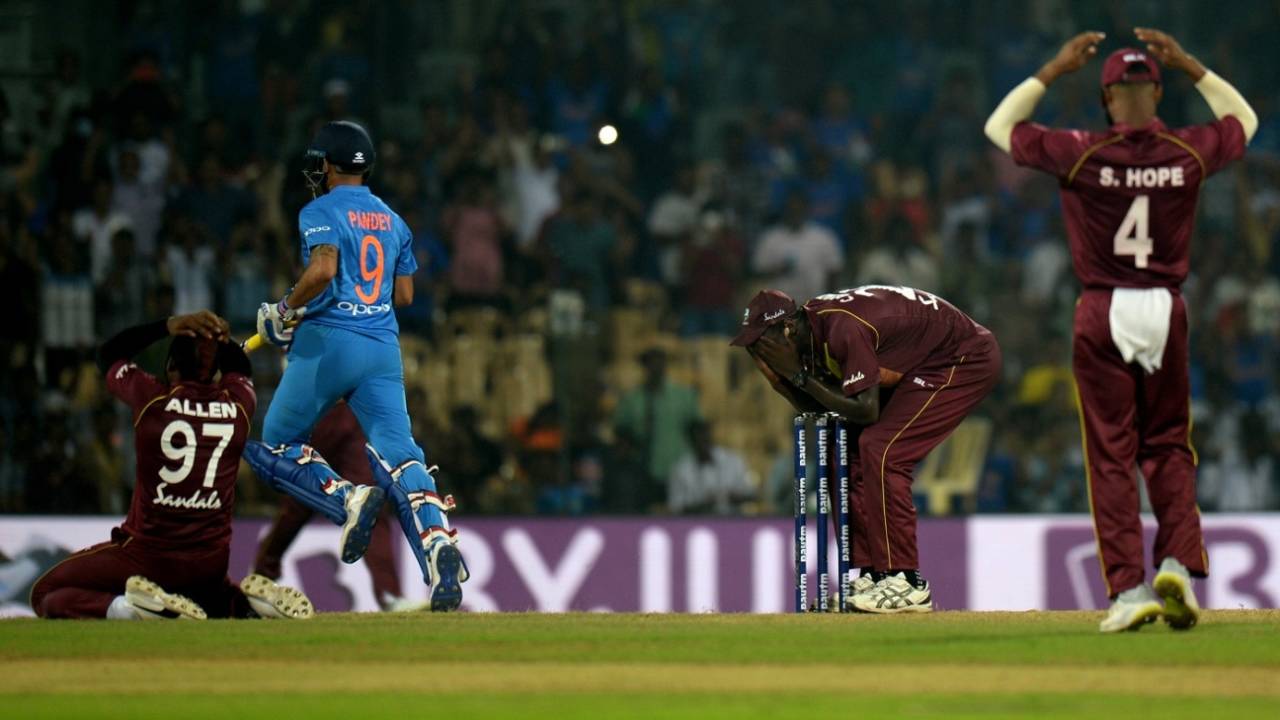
pixel 806 146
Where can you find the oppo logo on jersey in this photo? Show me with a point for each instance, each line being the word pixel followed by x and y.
pixel 356 309
pixel 1156 177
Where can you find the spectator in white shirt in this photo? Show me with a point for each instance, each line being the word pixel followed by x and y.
pixel 66 309
pixel 709 479
pixel 153 153
pixel 95 225
pixel 672 220
pixel 189 266
pixel 142 203
pixel 529 180
pixel 65 93
pixel 898 260
pixel 799 256
pixel 537 186
pixel 120 300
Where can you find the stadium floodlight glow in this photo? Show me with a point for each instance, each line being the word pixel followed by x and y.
pixel 608 135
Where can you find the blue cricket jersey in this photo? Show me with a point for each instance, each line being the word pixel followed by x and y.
pixel 374 246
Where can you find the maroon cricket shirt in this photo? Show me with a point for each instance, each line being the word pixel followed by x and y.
pixel 188 439
pixel 1129 194
pixel 859 331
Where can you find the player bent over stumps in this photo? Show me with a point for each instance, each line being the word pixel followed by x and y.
pixel 903 366
pixel 340 330
pixel 1129 199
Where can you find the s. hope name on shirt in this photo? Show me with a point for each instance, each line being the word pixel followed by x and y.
pixel 1151 177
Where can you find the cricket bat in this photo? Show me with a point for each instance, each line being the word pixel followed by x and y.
pixel 256 341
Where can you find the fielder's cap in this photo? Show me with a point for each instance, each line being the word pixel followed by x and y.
pixel 1129 65
pixel 768 307
pixel 345 145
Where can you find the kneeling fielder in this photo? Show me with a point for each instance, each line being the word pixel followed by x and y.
pixel 169 559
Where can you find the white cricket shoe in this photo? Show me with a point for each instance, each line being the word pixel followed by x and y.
pixel 860 585
pixel 149 601
pixel 1131 609
pixel 274 601
pixel 448 572
pixel 396 604
pixel 363 504
pixel 1173 585
pixel 894 594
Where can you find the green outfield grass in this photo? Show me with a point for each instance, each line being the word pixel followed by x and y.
pixel 958 665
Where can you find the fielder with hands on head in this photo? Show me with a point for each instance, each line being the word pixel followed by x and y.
pixel 169 558
pixel 1129 197
pixel 339 326
pixel 904 365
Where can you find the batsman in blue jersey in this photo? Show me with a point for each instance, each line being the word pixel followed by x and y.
pixel 339 326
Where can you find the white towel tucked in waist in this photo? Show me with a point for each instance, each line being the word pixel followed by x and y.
pixel 1140 324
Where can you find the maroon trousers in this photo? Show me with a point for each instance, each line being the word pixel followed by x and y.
pixel 1131 418
pixel 926 406
pixel 84 584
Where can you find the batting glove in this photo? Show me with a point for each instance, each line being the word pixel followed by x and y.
pixel 276 322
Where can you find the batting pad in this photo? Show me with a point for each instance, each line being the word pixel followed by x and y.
pixel 301 473
pixel 418 506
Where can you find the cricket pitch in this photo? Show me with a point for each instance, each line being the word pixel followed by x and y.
pixel 957 664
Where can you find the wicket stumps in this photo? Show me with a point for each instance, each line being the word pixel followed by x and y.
pixel 802 520
pixel 843 530
pixel 823 424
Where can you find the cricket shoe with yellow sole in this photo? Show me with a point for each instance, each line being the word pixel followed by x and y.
pixel 1173 585
pixel 895 594
pixel 274 601
pixel 149 601
pixel 1131 609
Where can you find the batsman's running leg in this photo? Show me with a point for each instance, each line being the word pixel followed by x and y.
pixel 289 465
pixel 300 472
pixel 400 469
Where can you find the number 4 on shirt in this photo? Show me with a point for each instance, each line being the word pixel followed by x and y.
pixel 1134 236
